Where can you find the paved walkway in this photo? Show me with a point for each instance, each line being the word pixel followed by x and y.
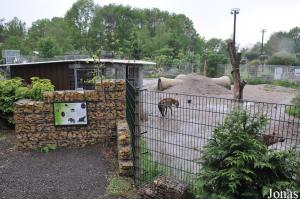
pixel 65 173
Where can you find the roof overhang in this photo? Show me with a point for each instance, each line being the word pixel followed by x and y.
pixel 113 61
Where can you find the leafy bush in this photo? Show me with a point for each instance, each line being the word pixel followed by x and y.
pixel 38 87
pixel 254 62
pixel 283 59
pixel 13 89
pixel 48 148
pixel 236 164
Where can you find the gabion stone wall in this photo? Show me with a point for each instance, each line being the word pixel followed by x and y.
pixel 124 149
pixel 35 119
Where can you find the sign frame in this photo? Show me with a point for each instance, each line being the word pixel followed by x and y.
pixel 72 115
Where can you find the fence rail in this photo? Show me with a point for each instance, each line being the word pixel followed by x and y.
pixel 170 145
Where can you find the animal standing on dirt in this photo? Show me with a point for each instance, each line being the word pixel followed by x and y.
pixel 166 103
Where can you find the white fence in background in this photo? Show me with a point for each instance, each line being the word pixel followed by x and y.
pixel 266 72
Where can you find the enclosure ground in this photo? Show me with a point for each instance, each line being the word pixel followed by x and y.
pixel 64 173
pixel 262 93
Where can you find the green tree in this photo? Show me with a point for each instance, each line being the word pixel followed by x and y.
pixel 14 35
pixel 15 27
pixel 55 28
pixel 283 58
pixel 237 164
pixel 79 18
pixel 213 60
pixel 48 47
pixel 253 53
pixel 2 30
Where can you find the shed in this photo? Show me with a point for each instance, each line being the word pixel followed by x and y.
pixel 75 74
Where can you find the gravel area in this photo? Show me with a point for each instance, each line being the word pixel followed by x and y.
pixel 64 173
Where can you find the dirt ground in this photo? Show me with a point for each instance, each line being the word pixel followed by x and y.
pixel 260 93
pixel 64 173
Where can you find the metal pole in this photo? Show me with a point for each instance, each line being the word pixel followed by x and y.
pixel 234 27
pixel 262 41
pixel 234 11
pixel 262 47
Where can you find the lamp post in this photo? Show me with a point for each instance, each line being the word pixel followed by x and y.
pixel 234 11
pixel 262 46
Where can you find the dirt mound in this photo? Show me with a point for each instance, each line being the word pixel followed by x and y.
pixel 197 85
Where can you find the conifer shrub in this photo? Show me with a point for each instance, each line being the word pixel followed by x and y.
pixel 237 165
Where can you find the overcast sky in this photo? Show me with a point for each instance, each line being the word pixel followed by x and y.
pixel 211 18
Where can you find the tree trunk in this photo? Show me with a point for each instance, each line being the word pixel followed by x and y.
pixel 205 71
pixel 235 59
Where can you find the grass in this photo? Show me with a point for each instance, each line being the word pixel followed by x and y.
pixel 149 167
pixel 286 84
pixel 256 81
pixel 294 110
pixel 121 187
pixel 5 134
pixel 152 75
pixel 2 136
pixel 283 83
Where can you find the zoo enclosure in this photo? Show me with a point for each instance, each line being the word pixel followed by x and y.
pixel 170 145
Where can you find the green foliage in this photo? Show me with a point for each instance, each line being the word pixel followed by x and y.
pixel 12 90
pixel 213 60
pixel 9 94
pixel 283 59
pixel 124 31
pixel 38 87
pixel 79 17
pixel 48 47
pixel 256 80
pixel 235 164
pixel 295 110
pixel 254 62
pixel 287 84
pixel 48 148
pixel 149 167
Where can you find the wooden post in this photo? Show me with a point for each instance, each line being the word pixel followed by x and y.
pixel 235 59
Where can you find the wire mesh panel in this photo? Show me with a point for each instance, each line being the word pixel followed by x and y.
pixel 173 128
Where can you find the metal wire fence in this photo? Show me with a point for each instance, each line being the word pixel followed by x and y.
pixel 170 145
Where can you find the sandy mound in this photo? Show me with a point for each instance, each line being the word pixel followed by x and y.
pixel 197 85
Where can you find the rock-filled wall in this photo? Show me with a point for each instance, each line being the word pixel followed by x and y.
pixel 124 149
pixel 35 119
